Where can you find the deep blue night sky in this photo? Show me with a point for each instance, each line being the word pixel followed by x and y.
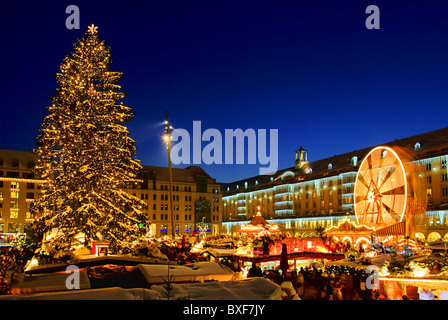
pixel 310 69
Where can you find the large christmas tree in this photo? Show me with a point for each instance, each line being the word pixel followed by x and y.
pixel 86 156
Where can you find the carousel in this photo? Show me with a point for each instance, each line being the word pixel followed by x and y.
pixel 259 227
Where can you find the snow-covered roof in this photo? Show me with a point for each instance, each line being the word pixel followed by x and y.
pixel 196 272
pixel 113 293
pixel 48 282
pixel 92 260
pixel 248 289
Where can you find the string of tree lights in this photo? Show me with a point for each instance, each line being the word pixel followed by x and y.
pixel 86 156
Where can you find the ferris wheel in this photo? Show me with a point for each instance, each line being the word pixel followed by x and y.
pixel 381 188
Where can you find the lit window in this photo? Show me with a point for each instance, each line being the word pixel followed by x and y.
pixel 14 185
pixel 417 146
pixel 14 214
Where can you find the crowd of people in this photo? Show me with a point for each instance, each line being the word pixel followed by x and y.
pixel 329 283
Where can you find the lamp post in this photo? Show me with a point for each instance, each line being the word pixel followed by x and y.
pixel 167 137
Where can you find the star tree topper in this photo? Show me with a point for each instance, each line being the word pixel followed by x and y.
pixel 92 29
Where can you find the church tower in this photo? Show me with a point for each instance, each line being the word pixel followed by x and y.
pixel 301 158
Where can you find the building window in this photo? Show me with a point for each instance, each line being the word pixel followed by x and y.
pixel 445 192
pixel 428 166
pixel 354 161
pixel 12 174
pixel 330 166
pixel 14 214
pixel 444 177
pixel 417 146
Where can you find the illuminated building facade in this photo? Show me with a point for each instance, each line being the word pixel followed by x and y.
pixel 197 199
pixel 18 189
pixel 318 194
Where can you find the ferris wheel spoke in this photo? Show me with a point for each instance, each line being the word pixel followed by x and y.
pixel 363 180
pixel 388 209
pixel 388 175
pixel 395 191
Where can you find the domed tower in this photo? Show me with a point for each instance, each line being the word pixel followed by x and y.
pixel 301 158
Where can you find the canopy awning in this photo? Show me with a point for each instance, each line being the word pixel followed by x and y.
pixel 396 229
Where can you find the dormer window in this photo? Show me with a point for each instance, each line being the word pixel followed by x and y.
pixel 330 166
pixel 417 146
pixel 287 174
pixel 354 161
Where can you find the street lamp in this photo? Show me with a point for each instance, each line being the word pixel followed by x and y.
pixel 204 230
pixel 167 138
